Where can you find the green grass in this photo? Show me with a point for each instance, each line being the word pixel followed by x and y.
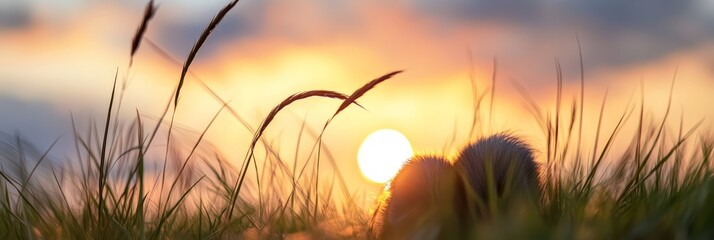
pixel 117 187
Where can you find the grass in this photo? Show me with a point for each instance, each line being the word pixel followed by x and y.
pixel 117 187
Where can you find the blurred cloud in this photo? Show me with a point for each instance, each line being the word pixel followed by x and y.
pixel 14 14
pixel 41 123
pixel 620 32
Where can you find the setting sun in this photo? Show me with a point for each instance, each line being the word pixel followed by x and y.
pixel 382 154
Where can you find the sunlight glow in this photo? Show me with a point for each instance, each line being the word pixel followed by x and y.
pixel 382 154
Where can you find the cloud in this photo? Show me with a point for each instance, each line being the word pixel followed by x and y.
pixel 37 121
pixel 14 14
pixel 618 32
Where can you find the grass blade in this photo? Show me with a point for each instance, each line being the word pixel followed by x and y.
pixel 103 157
pixel 361 91
pixel 201 40
pixel 148 14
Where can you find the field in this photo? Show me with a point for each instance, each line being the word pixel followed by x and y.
pixel 121 184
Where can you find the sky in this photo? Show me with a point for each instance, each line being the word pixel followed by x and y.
pixel 59 57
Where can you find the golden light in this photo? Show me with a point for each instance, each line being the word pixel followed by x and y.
pixel 382 154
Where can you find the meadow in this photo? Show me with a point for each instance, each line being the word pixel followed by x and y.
pixel 120 184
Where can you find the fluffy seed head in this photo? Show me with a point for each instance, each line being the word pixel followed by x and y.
pixel 422 199
pixel 502 161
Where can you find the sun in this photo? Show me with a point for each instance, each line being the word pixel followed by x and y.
pixel 382 153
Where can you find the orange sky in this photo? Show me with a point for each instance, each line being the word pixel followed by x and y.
pixel 67 62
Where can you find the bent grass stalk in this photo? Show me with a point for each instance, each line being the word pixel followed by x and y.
pixel 266 122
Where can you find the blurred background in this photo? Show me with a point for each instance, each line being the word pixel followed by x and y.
pixel 59 57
